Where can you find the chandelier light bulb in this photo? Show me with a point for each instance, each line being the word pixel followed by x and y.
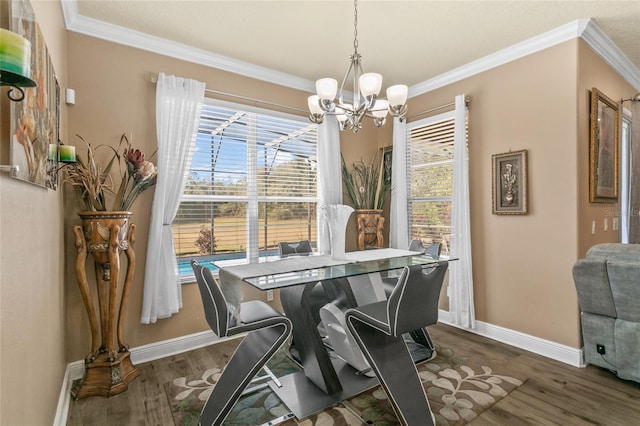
pixel 370 84
pixel 314 104
pixel 397 95
pixel 380 109
pixel 327 88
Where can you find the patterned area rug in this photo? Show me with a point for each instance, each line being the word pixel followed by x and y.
pixel 458 391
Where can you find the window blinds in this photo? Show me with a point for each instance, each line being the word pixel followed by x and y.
pixel 430 172
pixel 251 184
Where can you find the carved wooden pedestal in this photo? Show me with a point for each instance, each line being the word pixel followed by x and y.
pixel 108 368
pixel 370 227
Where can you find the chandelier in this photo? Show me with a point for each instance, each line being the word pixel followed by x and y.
pixel 365 103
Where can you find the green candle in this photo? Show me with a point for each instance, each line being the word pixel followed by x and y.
pixel 15 53
pixel 53 152
pixel 67 154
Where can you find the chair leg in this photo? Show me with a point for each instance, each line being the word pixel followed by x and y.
pixel 250 356
pixel 391 361
pixel 422 337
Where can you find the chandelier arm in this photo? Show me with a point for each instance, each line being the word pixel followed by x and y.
pixel 398 112
pixel 344 80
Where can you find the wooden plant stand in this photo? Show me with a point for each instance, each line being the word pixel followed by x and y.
pixel 108 367
pixel 370 227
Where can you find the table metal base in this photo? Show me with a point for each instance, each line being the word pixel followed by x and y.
pixel 304 398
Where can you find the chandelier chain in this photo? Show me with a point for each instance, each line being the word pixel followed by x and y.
pixel 355 26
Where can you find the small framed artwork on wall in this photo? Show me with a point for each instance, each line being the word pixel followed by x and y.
pixel 509 182
pixel 603 149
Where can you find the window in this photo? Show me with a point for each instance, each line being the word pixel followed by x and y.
pixel 251 184
pixel 430 178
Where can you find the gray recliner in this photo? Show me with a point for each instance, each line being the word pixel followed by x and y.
pixel 608 285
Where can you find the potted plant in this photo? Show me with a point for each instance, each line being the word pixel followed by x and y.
pixel 367 188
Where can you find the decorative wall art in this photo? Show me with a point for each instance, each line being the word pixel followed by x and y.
pixel 35 120
pixel 603 149
pixel 509 171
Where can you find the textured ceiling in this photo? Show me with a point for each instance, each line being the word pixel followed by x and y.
pixel 406 41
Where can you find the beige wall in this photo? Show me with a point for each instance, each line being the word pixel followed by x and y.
pixel 594 72
pixel 522 264
pixel 32 302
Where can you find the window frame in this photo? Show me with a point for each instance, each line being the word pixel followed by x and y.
pixel 448 116
pixel 252 199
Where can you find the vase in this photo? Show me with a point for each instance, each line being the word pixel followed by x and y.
pixel 337 216
pixel 370 227
pixel 105 235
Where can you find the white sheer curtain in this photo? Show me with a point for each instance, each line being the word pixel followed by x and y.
pixel 329 174
pixel 461 306
pixel 634 178
pixel 178 105
pixel 398 226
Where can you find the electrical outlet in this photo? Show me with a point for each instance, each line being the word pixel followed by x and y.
pixel 600 349
pixel 269 295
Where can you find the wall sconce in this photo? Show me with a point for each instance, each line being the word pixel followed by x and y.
pixel 15 63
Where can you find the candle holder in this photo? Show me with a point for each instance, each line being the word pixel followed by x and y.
pixel 17 82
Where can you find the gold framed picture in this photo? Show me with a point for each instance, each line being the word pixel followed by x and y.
pixel 603 149
pixel 509 182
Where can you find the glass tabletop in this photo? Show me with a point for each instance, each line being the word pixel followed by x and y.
pixel 274 281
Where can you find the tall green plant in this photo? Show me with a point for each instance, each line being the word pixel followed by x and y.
pixel 365 183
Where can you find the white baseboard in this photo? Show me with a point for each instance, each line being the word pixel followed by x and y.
pixel 165 348
pixel 139 354
pixel 547 348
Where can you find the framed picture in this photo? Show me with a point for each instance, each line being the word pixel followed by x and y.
pixel 509 182
pixel 35 120
pixel 603 149
pixel 387 157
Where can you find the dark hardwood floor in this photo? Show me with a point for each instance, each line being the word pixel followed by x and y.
pixel 553 393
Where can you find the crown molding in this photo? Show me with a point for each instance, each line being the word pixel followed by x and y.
pixel 511 53
pixel 597 40
pixel 586 29
pixel 116 34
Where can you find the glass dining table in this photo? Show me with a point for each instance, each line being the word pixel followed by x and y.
pixel 325 379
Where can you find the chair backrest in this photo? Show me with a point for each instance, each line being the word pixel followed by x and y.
pixel 413 304
pixel 434 250
pixel 215 305
pixel 298 247
pixel 416 245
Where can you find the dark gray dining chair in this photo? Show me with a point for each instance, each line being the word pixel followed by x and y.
pixel 420 336
pixel 378 328
pixel 267 331
pixel 299 248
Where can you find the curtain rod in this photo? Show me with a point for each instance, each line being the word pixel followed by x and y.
pixel 154 79
pixel 467 99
